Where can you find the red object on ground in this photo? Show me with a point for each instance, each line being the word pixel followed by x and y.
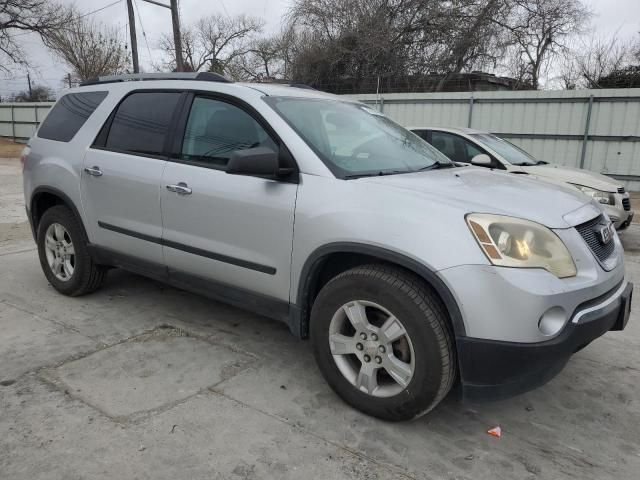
pixel 495 431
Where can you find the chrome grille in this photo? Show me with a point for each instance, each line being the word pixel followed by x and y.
pixel 588 231
pixel 621 190
pixel 626 204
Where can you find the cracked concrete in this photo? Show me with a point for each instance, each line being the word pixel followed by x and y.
pixel 140 380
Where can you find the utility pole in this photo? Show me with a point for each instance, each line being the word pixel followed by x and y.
pixel 177 39
pixel 29 82
pixel 175 20
pixel 134 40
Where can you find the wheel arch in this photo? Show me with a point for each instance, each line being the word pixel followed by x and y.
pixel 329 260
pixel 44 198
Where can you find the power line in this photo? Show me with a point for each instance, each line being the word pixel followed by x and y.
pixel 100 9
pixel 144 34
pixel 81 16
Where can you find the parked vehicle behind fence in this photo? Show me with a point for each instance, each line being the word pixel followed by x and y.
pixel 487 150
pixel 409 274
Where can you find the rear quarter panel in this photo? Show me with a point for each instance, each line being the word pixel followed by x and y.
pixel 58 165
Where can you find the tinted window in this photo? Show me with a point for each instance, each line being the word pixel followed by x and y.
pixel 141 122
pixel 421 133
pixel 472 150
pixel 216 129
pixel 454 146
pixel 69 114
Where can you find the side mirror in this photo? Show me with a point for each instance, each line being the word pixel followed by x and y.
pixel 258 161
pixel 482 160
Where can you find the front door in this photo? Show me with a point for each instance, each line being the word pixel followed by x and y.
pixel 234 230
pixel 122 175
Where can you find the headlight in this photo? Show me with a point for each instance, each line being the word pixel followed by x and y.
pixel 606 198
pixel 514 242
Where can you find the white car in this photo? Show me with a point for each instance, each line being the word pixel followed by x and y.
pixel 487 150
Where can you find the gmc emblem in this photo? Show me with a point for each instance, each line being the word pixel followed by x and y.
pixel 604 234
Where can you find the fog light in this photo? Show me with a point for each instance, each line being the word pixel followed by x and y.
pixel 552 321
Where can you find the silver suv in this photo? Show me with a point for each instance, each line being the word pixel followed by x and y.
pixel 410 275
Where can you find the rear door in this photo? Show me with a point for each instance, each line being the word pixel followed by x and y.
pixel 122 175
pixel 231 229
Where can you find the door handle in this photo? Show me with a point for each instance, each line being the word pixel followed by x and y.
pixel 180 188
pixel 93 171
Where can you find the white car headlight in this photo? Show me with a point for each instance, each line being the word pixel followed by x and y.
pixel 514 242
pixel 606 198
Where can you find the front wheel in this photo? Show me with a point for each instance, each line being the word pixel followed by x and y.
pixel 382 342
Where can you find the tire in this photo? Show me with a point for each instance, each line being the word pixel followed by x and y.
pixel 380 292
pixel 82 274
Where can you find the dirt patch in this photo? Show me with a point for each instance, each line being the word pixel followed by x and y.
pixel 12 232
pixel 635 201
pixel 9 149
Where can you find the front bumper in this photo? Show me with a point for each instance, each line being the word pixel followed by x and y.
pixel 620 217
pixel 492 370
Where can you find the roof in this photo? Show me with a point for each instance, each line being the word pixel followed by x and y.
pixel 289 90
pixel 215 81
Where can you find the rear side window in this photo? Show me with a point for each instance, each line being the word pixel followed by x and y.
pixel 69 114
pixel 141 123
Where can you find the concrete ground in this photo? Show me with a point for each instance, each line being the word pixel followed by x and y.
pixel 140 380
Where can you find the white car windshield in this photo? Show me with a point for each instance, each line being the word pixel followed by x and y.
pixel 511 153
pixel 354 140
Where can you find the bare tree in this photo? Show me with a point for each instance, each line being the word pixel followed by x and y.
pixel 38 93
pixel 600 57
pixel 359 41
pixel 263 61
pixel 475 40
pixel 213 43
pixel 568 77
pixel 18 17
pixel 89 49
pixel 636 49
pixel 539 30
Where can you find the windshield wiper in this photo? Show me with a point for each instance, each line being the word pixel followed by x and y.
pixel 379 173
pixel 542 162
pixel 436 166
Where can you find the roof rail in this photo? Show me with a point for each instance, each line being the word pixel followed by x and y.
pixel 301 85
pixel 129 77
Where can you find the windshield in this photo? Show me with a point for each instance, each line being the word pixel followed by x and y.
pixel 511 153
pixel 354 140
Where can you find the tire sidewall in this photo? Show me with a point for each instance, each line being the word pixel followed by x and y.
pixel 425 386
pixel 64 217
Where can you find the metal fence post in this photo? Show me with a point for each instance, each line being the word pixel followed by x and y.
pixel 470 111
pixel 35 114
pixel 13 125
pixel 585 138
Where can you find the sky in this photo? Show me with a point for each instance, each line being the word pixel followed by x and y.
pixel 611 17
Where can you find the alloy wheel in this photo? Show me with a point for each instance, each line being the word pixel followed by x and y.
pixel 371 348
pixel 59 251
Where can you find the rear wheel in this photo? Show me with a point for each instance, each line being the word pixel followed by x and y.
pixel 64 257
pixel 381 339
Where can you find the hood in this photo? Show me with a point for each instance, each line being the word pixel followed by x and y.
pixel 481 190
pixel 559 173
